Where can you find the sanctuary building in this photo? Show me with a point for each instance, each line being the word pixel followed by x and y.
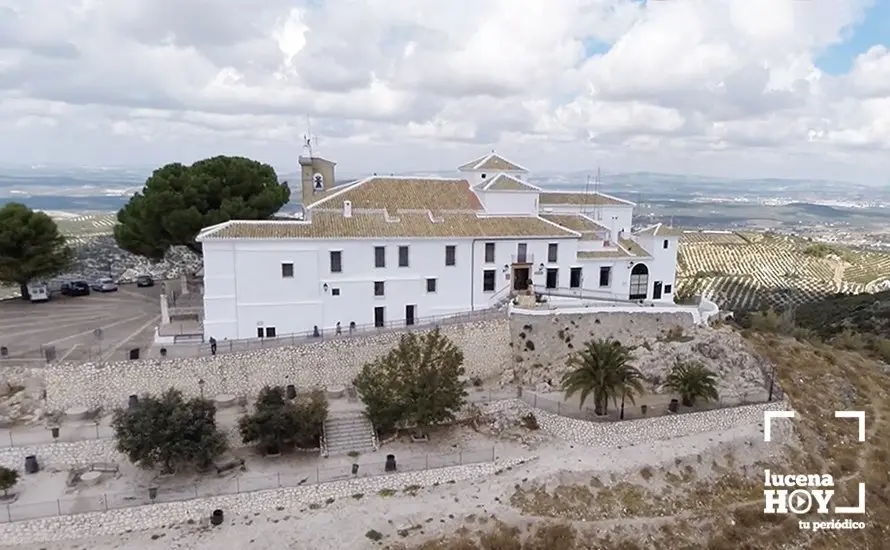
pixel 388 250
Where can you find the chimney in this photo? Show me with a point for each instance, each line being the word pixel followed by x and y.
pixel 347 209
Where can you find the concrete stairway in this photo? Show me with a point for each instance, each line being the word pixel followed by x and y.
pixel 348 431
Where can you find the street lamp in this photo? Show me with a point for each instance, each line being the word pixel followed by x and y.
pixel 201 387
pixel 772 382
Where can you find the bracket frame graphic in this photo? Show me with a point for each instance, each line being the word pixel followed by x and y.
pixel 768 417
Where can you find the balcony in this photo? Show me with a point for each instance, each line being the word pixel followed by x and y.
pixel 522 258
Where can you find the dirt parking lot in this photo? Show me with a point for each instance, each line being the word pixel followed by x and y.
pixel 99 326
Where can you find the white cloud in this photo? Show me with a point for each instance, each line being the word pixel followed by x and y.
pixel 713 86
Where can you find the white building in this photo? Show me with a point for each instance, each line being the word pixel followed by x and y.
pixel 386 250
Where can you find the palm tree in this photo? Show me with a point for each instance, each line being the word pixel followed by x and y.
pixel 602 369
pixel 692 381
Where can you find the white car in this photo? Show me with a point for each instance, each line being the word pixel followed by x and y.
pixel 38 292
pixel 104 285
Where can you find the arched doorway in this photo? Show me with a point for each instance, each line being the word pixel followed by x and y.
pixel 639 282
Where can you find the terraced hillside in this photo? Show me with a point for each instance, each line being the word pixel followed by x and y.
pixel 757 270
pixel 82 228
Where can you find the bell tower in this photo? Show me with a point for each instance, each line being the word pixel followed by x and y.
pixel 316 173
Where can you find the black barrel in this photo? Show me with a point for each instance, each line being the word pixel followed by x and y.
pixel 216 517
pixel 31 466
pixel 134 400
pixel 291 391
pixel 390 463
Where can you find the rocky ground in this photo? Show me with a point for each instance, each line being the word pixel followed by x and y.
pixel 740 370
pixel 100 257
pixel 21 391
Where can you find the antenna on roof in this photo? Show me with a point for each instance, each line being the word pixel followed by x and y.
pixel 596 187
pixel 309 137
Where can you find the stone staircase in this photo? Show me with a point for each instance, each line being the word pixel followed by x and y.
pixel 348 431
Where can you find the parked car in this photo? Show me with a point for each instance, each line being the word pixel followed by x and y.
pixel 104 285
pixel 75 288
pixel 144 281
pixel 39 292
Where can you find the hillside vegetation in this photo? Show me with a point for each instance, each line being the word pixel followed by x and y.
pixel 725 512
pixel 749 271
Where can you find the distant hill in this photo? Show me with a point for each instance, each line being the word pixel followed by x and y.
pixel 819 210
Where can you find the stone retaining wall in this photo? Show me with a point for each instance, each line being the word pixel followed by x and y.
pixel 313 365
pixel 62 455
pixel 98 524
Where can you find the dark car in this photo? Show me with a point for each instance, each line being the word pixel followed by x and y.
pixel 75 288
pixel 144 281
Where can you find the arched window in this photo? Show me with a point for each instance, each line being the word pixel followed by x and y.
pixel 639 282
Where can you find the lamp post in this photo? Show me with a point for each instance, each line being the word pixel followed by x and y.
pixel 772 382
pixel 201 387
pixel 623 393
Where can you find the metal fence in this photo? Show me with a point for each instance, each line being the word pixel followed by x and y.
pixel 346 331
pixel 655 405
pixel 218 486
pixel 67 434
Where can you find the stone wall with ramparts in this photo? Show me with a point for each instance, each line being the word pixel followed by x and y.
pixel 314 365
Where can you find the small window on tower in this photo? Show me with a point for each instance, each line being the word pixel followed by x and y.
pixel 483 176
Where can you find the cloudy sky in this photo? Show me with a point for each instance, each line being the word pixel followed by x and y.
pixel 784 88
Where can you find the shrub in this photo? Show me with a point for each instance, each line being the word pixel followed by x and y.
pixel 530 421
pixel 8 479
pixel 278 422
pixel 169 431
pixel 416 383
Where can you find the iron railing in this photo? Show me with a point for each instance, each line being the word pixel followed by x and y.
pixel 345 331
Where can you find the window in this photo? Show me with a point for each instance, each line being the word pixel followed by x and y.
pixel 379 317
pixel 552 253
pixel 260 333
pixel 605 276
pixel 431 285
pixel 483 176
pixel 552 278
pixel 668 289
pixel 450 253
pixel 575 277
pixel 521 253
pixel 488 280
pixel 665 244
pixel 336 261
pixel 489 253
pixel 379 288
pixel 270 332
pixel 639 282
pixel 287 271
pixel 335 292
pixel 403 256
pixel 379 256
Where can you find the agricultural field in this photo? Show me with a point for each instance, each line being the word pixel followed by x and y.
pixel 79 229
pixel 750 270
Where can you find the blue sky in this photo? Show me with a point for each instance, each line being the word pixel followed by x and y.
pixel 873 30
